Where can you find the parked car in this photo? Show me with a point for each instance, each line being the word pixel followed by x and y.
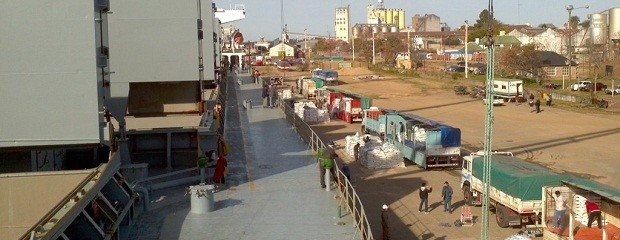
pixel 614 90
pixel 579 85
pixel 455 68
pixel 480 70
pixel 551 86
pixel 589 86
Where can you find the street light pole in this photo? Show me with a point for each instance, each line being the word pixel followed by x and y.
pixel 570 9
pixel 305 40
pixel 466 52
pixel 353 47
pixel 373 48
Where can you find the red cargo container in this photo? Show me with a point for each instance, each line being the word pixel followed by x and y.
pixel 350 108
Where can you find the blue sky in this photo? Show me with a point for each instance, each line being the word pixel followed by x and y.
pixel 263 17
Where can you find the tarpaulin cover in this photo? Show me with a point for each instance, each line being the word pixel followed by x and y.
pixel 603 190
pixel 318 82
pixel 366 101
pixel 450 137
pixel 517 177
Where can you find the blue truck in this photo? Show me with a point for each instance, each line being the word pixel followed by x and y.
pixel 325 77
pixel 424 142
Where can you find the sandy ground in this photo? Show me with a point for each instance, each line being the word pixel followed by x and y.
pixel 584 144
pixel 565 141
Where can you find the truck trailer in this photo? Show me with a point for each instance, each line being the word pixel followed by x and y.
pixel 515 191
pixel 507 88
pixel 424 142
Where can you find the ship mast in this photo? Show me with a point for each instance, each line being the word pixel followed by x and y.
pixel 488 126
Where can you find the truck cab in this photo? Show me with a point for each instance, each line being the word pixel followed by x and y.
pixel 472 197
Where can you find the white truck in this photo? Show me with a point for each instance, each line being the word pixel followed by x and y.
pixel 507 88
pixel 515 192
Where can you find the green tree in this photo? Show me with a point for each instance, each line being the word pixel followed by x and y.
pixel 522 60
pixel 390 47
pixel 574 22
pixel 483 19
pixel 363 48
pixel 479 30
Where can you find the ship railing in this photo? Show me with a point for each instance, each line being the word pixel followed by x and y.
pixel 346 191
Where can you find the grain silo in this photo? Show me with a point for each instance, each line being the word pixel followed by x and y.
pixel 598 28
pixel 381 14
pixel 385 28
pixel 401 19
pixel 389 16
pixel 366 30
pixel 614 24
pixel 356 31
pixel 375 29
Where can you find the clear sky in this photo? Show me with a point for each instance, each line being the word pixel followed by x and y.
pixel 263 17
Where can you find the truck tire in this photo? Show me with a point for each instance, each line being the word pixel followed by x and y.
pixel 501 216
pixel 467 196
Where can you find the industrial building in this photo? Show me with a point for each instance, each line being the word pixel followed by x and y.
pixel 605 31
pixel 343 26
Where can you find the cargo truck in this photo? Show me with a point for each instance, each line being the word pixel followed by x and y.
pixel 515 192
pixel 426 143
pixel 326 77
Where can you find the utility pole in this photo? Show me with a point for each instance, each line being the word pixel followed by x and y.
pixel 570 9
pixel 409 50
pixel 373 48
pixel 353 47
pixel 466 52
pixel 305 40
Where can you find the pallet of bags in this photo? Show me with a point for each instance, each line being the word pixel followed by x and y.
pixel 323 116
pixel 350 142
pixel 310 114
pixel 419 134
pixel 376 155
pixel 286 94
pixel 299 108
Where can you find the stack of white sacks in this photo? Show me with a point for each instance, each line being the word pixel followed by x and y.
pixel 375 154
pixel 308 112
pixel 419 134
pixel 287 94
pixel 579 206
pixel 350 142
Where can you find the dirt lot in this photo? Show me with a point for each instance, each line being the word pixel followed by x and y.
pixel 583 144
pixel 566 141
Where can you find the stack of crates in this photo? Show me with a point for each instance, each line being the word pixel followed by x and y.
pixel 466 216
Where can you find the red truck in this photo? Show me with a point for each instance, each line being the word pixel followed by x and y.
pixel 349 108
